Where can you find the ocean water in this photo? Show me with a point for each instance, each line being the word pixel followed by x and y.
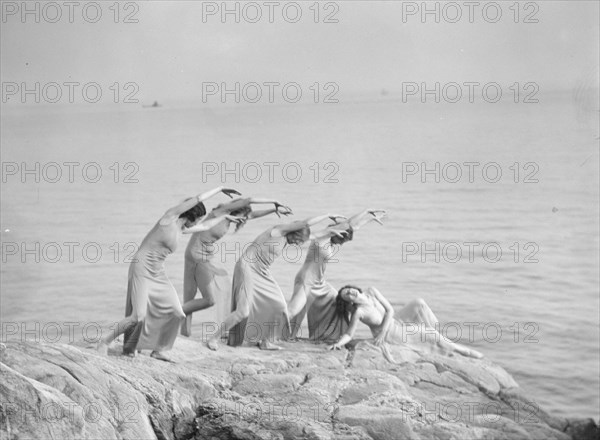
pixel 542 294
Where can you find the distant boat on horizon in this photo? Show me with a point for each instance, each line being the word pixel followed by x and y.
pixel 154 104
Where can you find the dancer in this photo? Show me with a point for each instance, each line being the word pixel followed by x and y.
pixel 312 291
pixel 374 310
pixel 153 311
pixel 200 273
pixel 257 298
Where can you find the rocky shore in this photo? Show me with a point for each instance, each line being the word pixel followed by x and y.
pixel 60 391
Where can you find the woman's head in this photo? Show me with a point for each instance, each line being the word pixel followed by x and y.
pixel 344 309
pixel 193 214
pixel 350 294
pixel 299 236
pixel 348 236
pixel 343 306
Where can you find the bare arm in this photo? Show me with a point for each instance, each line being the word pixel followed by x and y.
pixel 281 230
pixel 347 337
pixel 205 225
pixel 245 202
pixel 174 212
pixel 258 214
pixel 366 216
pixel 325 235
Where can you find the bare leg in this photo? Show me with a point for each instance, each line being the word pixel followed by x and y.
pixel 297 309
pixel 296 322
pixel 190 287
pixel 267 343
pixel 241 313
pixel 121 327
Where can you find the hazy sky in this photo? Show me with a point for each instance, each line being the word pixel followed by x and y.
pixel 170 51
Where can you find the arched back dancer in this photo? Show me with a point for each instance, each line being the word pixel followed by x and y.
pixel 153 311
pixel 312 292
pixel 201 273
pixel 373 309
pixel 257 299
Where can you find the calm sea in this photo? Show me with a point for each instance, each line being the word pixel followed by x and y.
pixel 534 292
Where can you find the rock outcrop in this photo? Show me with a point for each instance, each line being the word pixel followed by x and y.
pixel 60 391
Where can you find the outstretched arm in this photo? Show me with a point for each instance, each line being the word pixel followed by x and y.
pixel 176 211
pixel 366 216
pixel 279 210
pixel 325 235
pixel 281 230
pixel 388 317
pixel 347 337
pixel 206 223
pixel 245 202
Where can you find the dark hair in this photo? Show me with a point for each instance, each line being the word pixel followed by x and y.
pixel 194 213
pixel 303 233
pixel 242 212
pixel 335 239
pixel 340 321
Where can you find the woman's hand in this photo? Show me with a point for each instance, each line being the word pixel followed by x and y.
pixel 335 218
pixel 378 215
pixel 379 340
pixel 282 209
pixel 334 347
pixel 230 191
pixel 341 234
pixel 235 219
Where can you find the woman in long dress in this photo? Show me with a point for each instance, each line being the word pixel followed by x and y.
pixel 259 310
pixel 201 273
pixel 311 290
pixel 153 311
pixel 373 309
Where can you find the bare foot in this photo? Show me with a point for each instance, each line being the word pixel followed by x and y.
pixel 213 344
pixel 475 354
pixel 161 357
pixel 102 348
pixel 468 352
pixel 266 345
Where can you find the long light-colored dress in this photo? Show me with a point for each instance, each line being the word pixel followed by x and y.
pixel 254 284
pixel 201 273
pixel 151 297
pixel 416 326
pixel 320 295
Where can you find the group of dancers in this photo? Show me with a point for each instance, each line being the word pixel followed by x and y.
pixel 155 315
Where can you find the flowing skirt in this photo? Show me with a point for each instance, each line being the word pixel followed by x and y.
pixel 323 325
pixel 417 327
pixel 152 301
pixel 255 288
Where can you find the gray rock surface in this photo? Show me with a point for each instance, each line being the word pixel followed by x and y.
pixel 60 391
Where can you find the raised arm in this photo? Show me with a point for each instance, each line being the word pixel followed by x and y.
pixel 245 202
pixel 281 230
pixel 366 216
pixel 349 335
pixel 206 223
pixel 325 235
pixel 176 211
pixel 279 210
